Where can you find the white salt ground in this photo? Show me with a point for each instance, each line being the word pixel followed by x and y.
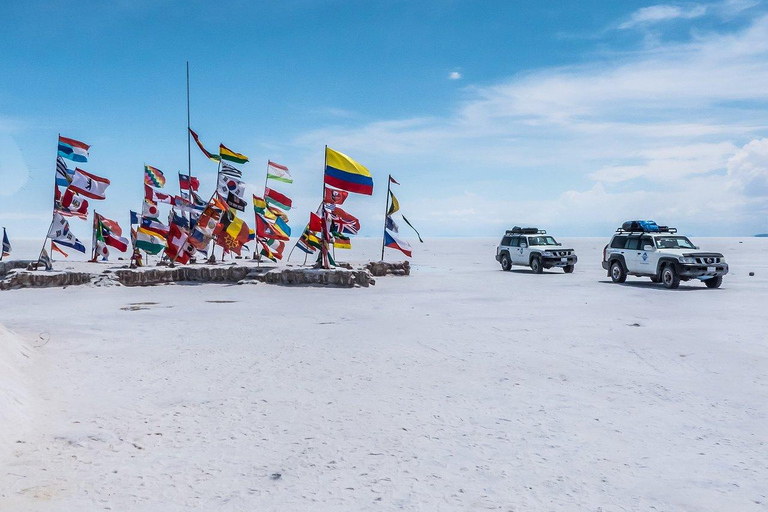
pixel 461 387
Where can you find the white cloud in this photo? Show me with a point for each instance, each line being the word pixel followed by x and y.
pixel 659 133
pixel 660 13
pixel 454 75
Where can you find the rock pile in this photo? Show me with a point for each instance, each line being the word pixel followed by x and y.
pixel 382 268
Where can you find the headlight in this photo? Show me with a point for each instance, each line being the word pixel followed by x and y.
pixel 687 259
pixel 547 254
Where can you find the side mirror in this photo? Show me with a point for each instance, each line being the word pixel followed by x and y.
pixel 648 248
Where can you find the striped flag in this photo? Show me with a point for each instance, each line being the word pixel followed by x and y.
pixel 215 158
pixel 278 200
pixel 278 172
pixel 72 149
pixel 63 174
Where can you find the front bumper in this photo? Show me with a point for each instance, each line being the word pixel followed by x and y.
pixel 697 271
pixel 557 261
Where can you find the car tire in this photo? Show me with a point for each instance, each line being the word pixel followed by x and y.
pixel 536 265
pixel 506 263
pixel 618 275
pixel 568 269
pixel 669 277
pixel 714 282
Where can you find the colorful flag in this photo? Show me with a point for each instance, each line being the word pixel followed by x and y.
pixel 390 225
pixel 231 156
pixel 177 240
pixel 153 177
pixel 111 225
pixel 391 241
pixel 394 205
pixel 6 244
pixel 393 180
pixel 56 248
pixel 278 172
pixel 149 209
pixel 109 236
pixel 61 234
pixel 334 196
pixel 63 173
pixel 149 241
pixel 154 196
pixel 154 226
pixel 89 185
pixel 102 250
pixel 178 220
pixel 45 260
pixel 342 242
pixel 134 217
pixel 72 205
pixel 187 182
pixel 344 173
pixel 315 222
pixel 229 185
pixel 272 249
pixel 266 229
pixel 344 223
pixel 215 158
pixel 72 149
pixel 278 200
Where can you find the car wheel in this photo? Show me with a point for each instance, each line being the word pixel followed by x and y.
pixel 568 269
pixel 506 263
pixel 714 282
pixel 617 272
pixel 669 277
pixel 536 265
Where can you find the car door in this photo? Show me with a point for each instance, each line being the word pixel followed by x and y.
pixel 633 255
pixel 646 259
pixel 521 254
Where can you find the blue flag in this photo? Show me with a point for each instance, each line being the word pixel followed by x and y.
pixel 134 217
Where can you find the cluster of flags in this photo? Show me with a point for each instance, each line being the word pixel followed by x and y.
pixel 79 186
pixel 193 224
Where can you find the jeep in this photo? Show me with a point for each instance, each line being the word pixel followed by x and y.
pixel 532 247
pixel 645 249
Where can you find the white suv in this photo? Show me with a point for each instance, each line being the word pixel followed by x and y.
pixel 644 249
pixel 532 247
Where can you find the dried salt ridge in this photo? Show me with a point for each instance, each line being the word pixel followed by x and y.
pixel 14 275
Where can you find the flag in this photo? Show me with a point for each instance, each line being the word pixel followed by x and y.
pixel 393 180
pixel 56 248
pixel 102 250
pixel 111 225
pixel 228 154
pixel 89 185
pixel 278 172
pixel 393 242
pixel 265 229
pixel 63 173
pixel 6 244
pixel 334 196
pixel 187 182
pixel 276 199
pixel 134 217
pixel 342 242
pixel 303 244
pixel 154 226
pixel 390 225
pixel 109 236
pixel 229 185
pixel 315 222
pixel 344 173
pixel 177 240
pixel 153 177
pixel 232 233
pixel 394 205
pixel 158 197
pixel 72 149
pixel 178 220
pixel 272 249
pixel 45 260
pixel 61 234
pixel 72 205
pixel 344 223
pixel 149 209
pixel 230 170
pixel 413 228
pixel 215 158
pixel 149 241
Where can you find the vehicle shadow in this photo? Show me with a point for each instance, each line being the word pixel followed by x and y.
pixel 529 271
pixel 657 286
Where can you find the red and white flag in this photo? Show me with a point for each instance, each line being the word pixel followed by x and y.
pixel 89 185
pixel 154 196
pixel 177 242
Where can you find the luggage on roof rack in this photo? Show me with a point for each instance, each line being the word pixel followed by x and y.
pixel 644 226
pixel 517 230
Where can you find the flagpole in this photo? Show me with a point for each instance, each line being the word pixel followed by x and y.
pixel 189 152
pixel 53 209
pixel 93 237
pixel 324 246
pixel 386 214
pixel 2 245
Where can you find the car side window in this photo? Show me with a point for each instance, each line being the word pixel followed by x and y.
pixel 515 241
pixel 506 240
pixel 618 242
pixel 646 240
pixel 633 243
pixel 523 240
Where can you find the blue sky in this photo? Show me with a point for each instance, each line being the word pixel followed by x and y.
pixel 573 116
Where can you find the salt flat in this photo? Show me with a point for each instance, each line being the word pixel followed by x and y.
pixel 461 387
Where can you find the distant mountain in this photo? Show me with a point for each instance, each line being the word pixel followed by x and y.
pixel 762 235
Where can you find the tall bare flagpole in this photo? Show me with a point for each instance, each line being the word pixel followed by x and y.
pixel 189 154
pixel 386 214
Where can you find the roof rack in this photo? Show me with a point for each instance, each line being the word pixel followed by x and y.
pixel 662 229
pixel 517 230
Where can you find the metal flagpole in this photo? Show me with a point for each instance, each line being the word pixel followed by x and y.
pixel 53 209
pixel 2 248
pixel 189 153
pixel 324 246
pixel 386 214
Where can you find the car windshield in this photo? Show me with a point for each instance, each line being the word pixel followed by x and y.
pixel 674 242
pixel 542 240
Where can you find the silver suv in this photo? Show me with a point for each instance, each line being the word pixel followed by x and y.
pixel 644 249
pixel 532 247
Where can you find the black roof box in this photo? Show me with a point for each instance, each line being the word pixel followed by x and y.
pixel 517 230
